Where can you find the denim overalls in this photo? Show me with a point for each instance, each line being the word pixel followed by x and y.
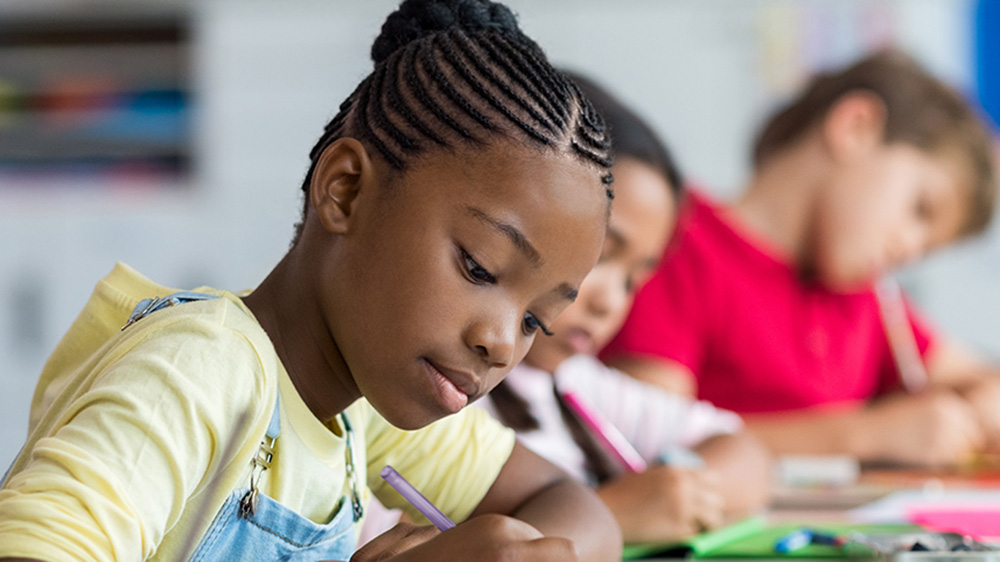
pixel 252 526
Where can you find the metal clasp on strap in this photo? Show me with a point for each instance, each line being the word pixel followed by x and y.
pixel 353 474
pixel 261 462
pixel 149 306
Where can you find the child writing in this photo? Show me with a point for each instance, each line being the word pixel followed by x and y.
pixel 768 305
pixel 664 502
pixel 452 208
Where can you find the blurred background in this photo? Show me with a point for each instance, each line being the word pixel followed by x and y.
pixel 173 135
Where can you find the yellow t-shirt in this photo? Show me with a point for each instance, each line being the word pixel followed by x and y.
pixel 126 454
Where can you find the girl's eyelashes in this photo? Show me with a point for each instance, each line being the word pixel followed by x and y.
pixel 477 273
pixel 481 276
pixel 532 324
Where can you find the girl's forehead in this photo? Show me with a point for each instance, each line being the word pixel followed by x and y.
pixel 508 171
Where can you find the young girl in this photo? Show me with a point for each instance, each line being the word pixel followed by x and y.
pixel 768 305
pixel 664 502
pixel 452 208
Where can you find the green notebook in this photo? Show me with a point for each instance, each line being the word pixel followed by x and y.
pixel 754 538
pixel 698 545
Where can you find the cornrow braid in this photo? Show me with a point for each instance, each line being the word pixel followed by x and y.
pixel 555 90
pixel 459 64
pixel 453 72
pixel 417 87
pixel 496 81
pixel 402 108
pixel 522 78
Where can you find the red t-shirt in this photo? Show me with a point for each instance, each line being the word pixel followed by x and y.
pixel 755 335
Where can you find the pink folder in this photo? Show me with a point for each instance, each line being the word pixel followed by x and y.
pixel 978 522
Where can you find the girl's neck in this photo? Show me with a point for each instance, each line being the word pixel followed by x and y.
pixel 289 314
pixel 778 204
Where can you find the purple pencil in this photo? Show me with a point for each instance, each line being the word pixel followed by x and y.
pixel 423 505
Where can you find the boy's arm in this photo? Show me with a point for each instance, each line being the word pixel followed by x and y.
pixel 535 491
pixel 934 428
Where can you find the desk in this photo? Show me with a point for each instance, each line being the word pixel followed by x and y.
pixel 818 504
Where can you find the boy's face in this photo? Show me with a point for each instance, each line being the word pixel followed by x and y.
pixel 435 292
pixel 642 218
pixel 885 209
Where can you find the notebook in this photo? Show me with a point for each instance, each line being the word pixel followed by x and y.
pixel 755 538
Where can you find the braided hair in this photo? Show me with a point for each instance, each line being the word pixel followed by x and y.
pixel 461 72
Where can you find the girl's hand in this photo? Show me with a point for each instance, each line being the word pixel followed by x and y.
pixel 664 503
pixel 396 540
pixel 484 538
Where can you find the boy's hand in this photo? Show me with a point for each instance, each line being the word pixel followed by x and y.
pixel 936 428
pixel 664 503
pixel 983 395
pixel 485 538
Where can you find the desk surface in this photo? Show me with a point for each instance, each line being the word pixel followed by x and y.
pixel 817 504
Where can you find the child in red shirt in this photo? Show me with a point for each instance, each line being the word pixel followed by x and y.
pixel 767 306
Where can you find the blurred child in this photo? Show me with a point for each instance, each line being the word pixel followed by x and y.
pixel 665 501
pixel 452 208
pixel 768 305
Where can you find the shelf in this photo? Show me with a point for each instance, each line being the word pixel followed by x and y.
pixel 94 94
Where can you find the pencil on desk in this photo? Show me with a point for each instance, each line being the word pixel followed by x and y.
pixel 608 434
pixel 899 332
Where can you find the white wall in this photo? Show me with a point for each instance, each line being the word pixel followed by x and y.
pixel 269 74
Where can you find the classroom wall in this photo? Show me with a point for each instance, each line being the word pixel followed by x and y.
pixel 267 75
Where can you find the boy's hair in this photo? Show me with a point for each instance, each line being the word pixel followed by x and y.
pixel 921 111
pixel 632 137
pixel 453 72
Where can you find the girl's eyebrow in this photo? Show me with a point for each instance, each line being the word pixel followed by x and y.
pixel 519 240
pixel 567 292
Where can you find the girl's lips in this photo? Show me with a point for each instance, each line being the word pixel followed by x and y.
pixel 448 395
pixel 580 342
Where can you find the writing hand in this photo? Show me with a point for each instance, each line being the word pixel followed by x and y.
pixel 487 538
pixel 664 503
pixel 983 395
pixel 936 428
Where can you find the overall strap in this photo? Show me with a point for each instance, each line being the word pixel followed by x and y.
pixel 265 452
pixel 261 462
pixel 149 306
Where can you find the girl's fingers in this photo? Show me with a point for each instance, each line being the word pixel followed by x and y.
pixel 400 538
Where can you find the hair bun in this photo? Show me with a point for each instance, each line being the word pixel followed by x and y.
pixel 418 18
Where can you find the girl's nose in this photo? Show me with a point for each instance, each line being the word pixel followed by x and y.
pixel 494 338
pixel 604 292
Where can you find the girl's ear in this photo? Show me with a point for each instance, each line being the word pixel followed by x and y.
pixel 854 124
pixel 343 168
